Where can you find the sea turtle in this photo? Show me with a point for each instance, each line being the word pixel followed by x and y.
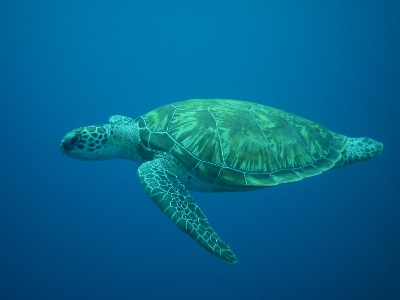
pixel 215 145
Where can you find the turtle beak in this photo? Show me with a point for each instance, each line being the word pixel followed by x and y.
pixel 63 147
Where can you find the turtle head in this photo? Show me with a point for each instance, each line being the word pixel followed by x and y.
pixel 86 143
pixel 119 139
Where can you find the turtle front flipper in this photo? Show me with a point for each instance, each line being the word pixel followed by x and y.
pixel 170 195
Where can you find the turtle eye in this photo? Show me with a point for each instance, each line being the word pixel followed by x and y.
pixel 75 139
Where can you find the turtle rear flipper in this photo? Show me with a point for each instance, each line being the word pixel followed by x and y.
pixel 172 198
pixel 359 149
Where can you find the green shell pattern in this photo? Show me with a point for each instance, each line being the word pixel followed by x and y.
pixel 235 144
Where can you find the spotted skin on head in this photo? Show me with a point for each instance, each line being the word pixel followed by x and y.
pixel 119 139
pixel 89 140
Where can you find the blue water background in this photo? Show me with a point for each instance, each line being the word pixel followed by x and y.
pixel 84 230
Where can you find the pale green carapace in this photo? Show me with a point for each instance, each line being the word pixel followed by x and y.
pixel 215 145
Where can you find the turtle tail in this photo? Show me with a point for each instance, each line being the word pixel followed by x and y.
pixel 359 149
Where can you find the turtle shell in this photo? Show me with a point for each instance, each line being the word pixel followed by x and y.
pixel 233 143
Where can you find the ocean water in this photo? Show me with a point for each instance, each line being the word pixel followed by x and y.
pixel 86 230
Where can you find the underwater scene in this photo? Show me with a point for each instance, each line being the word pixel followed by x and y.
pixel 277 180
